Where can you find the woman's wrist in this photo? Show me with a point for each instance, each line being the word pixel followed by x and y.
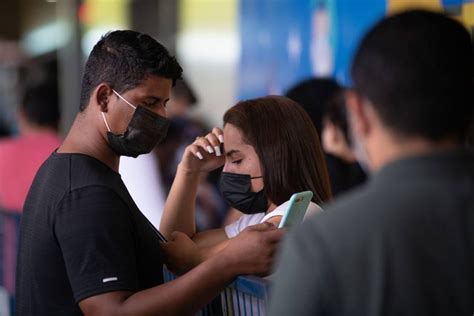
pixel 187 171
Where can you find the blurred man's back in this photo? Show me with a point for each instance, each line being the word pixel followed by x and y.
pixel 403 244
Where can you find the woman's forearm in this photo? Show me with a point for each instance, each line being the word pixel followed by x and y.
pixel 178 214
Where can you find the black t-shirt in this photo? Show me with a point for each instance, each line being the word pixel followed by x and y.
pixel 81 235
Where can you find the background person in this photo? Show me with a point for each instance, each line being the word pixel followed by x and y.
pixel 345 171
pixel 322 99
pixel 401 244
pixel 21 156
pixel 313 94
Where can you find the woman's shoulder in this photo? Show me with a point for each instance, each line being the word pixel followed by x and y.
pixel 246 220
pixel 243 222
pixel 278 211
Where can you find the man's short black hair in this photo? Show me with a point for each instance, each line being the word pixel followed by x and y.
pixel 123 59
pixel 416 68
pixel 40 105
pixel 313 94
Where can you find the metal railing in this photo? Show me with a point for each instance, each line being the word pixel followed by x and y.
pixel 246 296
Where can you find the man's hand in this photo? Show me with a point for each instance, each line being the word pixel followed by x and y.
pixel 182 254
pixel 253 250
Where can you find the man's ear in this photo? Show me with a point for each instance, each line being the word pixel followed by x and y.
pixel 101 96
pixel 330 131
pixel 331 137
pixel 357 113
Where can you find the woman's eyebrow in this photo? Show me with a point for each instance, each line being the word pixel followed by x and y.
pixel 232 152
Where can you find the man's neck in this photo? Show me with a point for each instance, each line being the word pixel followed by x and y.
pixel 387 148
pixel 83 138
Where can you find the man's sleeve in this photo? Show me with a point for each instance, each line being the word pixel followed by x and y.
pixel 94 231
pixel 300 282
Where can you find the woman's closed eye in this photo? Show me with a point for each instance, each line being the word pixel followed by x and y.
pixel 236 162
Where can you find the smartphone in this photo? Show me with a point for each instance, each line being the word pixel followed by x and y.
pixel 296 209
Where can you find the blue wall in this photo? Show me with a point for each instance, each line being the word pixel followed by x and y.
pixel 266 66
pixel 276 39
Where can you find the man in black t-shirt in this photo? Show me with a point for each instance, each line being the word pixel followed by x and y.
pixel 85 248
pixel 403 243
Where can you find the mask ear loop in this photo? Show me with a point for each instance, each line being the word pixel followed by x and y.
pixel 105 121
pixel 123 99
pixel 103 115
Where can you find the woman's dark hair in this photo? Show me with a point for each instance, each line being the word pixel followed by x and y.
pixel 287 145
pixel 124 59
pixel 416 68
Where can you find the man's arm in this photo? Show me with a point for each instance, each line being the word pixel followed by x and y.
pixel 249 253
pixel 183 296
pixel 183 254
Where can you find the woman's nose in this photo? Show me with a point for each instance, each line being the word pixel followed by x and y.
pixel 225 168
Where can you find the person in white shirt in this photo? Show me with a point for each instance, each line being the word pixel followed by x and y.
pixel 269 149
pixel 274 216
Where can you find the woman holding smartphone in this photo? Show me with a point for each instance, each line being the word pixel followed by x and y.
pixel 269 149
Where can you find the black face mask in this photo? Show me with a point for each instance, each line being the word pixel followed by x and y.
pixel 145 130
pixel 236 190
